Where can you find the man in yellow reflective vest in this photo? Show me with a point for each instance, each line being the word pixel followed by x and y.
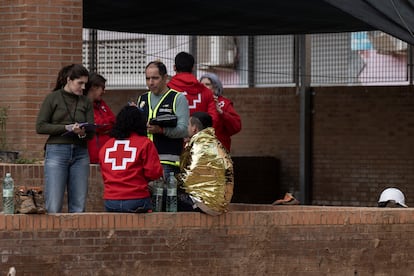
pixel 162 100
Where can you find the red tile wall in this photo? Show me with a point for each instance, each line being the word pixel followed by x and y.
pixel 37 38
pixel 362 144
pixel 249 240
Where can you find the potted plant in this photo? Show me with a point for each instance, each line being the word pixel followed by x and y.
pixel 6 156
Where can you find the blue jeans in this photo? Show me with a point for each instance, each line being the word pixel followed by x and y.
pixel 141 205
pixel 66 168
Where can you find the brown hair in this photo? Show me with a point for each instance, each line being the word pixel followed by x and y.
pixel 95 80
pixel 73 71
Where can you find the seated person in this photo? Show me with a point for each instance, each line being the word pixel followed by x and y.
pixel 206 177
pixel 129 160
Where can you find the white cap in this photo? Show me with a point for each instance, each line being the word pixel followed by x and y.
pixel 392 194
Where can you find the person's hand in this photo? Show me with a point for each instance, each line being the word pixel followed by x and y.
pixel 218 108
pixel 154 129
pixel 69 127
pixel 78 130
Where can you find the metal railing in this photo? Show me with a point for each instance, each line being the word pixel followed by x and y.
pixel 362 58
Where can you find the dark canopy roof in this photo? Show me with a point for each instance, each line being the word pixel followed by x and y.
pixel 251 17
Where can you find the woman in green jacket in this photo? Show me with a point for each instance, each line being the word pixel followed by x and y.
pixel 66 115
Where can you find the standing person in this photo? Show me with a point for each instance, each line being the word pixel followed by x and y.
pixel 206 178
pixel 230 120
pixel 66 156
pixel 129 160
pixel 162 100
pixel 198 96
pixel 103 115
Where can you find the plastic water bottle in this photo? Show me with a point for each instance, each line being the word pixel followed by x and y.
pixel 172 193
pixel 8 194
pixel 157 196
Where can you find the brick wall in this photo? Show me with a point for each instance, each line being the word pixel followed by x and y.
pixel 36 39
pixel 270 127
pixel 362 139
pixel 31 175
pixel 362 143
pixel 249 240
pixel 361 135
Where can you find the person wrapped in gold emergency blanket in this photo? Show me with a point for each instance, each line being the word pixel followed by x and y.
pixel 206 177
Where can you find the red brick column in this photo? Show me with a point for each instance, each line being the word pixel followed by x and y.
pixel 37 37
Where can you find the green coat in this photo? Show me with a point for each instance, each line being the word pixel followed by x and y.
pixel 61 108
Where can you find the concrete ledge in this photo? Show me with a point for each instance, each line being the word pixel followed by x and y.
pixel 240 215
pixel 248 240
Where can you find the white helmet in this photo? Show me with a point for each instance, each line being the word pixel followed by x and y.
pixel 392 194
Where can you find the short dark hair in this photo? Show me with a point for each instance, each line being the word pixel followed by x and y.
pixel 94 80
pixel 162 69
pixel 201 120
pixel 129 119
pixel 184 62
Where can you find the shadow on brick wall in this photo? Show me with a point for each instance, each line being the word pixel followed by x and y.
pixel 256 179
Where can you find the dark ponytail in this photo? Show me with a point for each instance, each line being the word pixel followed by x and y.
pixel 73 71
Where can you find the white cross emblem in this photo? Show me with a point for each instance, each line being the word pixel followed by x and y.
pixel 195 102
pixel 220 104
pixel 122 155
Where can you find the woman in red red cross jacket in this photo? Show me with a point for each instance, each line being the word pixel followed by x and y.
pixel 103 115
pixel 230 122
pixel 129 161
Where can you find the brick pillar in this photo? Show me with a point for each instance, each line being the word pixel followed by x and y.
pixel 37 38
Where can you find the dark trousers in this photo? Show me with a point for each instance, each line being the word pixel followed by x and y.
pixel 185 203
